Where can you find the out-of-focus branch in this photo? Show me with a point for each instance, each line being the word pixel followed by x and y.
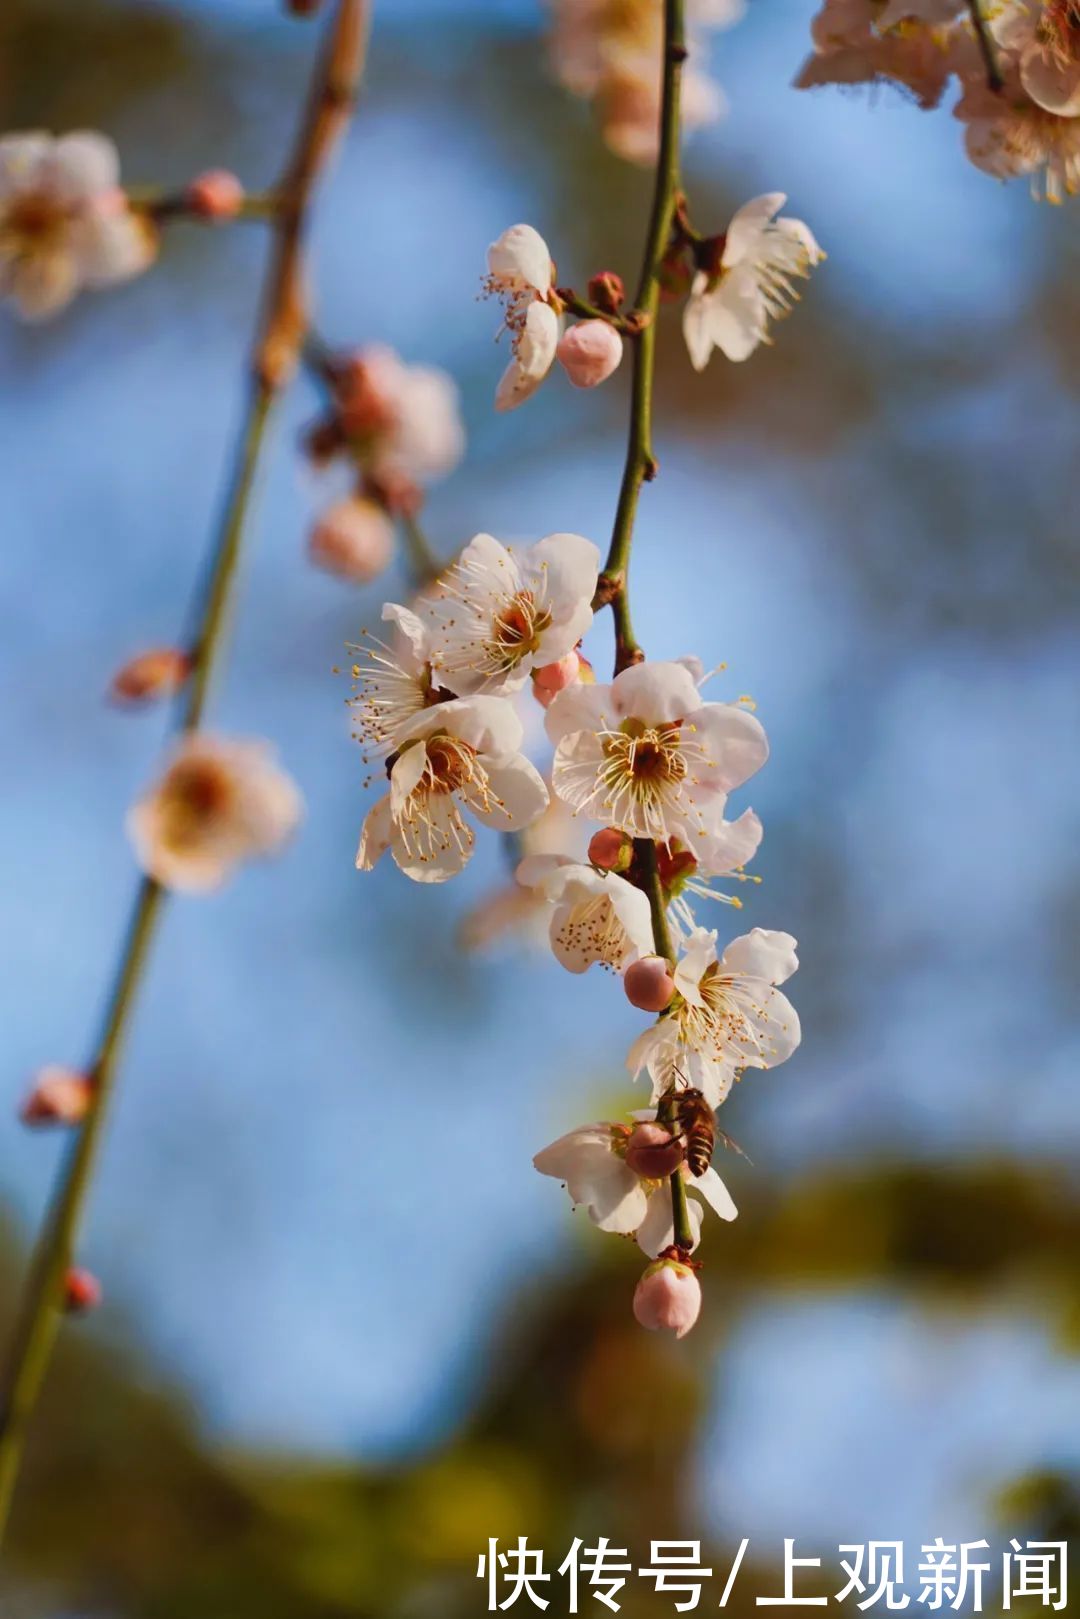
pixel 987 46
pixel 277 342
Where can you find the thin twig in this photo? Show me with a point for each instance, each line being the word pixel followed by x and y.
pixel 640 467
pixel 987 46
pixel 280 332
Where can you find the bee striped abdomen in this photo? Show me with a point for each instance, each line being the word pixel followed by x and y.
pixel 698 1125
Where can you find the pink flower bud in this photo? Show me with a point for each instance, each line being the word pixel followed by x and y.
pixel 60 1096
pixel 216 195
pixel 648 984
pixel 150 676
pixel 82 1292
pixel 555 677
pixel 653 1152
pixel 611 850
pixel 668 1298
pixel 589 352
pixel 606 291
pixel 354 540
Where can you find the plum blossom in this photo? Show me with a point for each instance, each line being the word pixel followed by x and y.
pixel 514 909
pixel 761 254
pixel 1043 39
pixel 399 423
pixel 647 756
pixel 65 224
pixel 591 1162
pixel 353 539
pixel 612 55
pixel 219 802
pixel 908 43
pixel 727 1015
pixel 394 681
pixel 455 756
pixel 595 916
pixel 498 614
pixel 521 274
pixel 1009 135
pixel 668 1297
pixel 687 876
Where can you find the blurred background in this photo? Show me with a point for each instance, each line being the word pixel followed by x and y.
pixel 349 1334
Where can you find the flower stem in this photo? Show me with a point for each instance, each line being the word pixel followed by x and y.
pixel 280 325
pixel 424 565
pixel 986 45
pixel 640 466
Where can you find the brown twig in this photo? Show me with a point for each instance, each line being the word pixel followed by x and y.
pixel 278 336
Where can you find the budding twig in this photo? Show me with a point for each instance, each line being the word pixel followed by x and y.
pixel 279 335
pixel 641 465
pixel 994 77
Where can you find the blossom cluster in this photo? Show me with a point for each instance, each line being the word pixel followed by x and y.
pixel 611 54
pixel 1019 82
pixel 647 762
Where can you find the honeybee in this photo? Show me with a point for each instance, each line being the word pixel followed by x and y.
pixel 697 1122
pixel 698 1126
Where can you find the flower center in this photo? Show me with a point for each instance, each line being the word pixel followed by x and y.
pixel 199 795
pixel 451 765
pixel 516 629
pixel 1058 30
pixel 34 223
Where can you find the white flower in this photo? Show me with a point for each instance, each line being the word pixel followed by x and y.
pixel 1008 134
pixel 591 1162
pixel 520 274
pixel 394 682
pixel 727 1015
pixel 1043 37
pixel 400 421
pixel 219 802
pixel 64 222
pixel 525 912
pixel 454 756
pixel 909 43
pixel 646 755
pixel 498 613
pixel 596 916
pixel 761 254
pixel 722 852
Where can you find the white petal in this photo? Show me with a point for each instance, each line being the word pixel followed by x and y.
pixel 488 724
pixel 521 256
pixel 715 1193
pixel 375 837
pixel 411 630
pixel 521 791
pixel 565 567
pixel 700 953
pixel 580 707
pixel 734 741
pixel 83 164
pixel 22 157
pixel 762 953
pixel 772 1022
pixel 596 1177
pixel 406 775
pixel 729 845
pixel 446 851
pixel 111 246
pixel 737 315
pixel 744 232
pixel 697 324
pixel 658 693
pixel 1053 85
pixel 657 1231
pixel 534 353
